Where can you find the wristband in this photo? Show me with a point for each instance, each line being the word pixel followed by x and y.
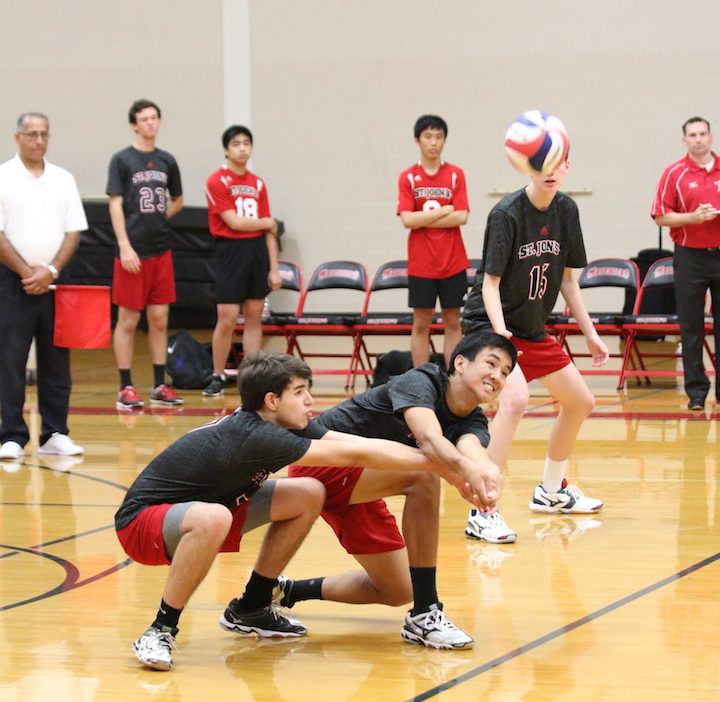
pixel 53 271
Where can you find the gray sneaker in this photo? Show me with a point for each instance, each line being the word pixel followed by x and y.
pixel 154 648
pixel 216 387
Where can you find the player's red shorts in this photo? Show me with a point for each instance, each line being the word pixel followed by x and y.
pixel 362 529
pixel 142 539
pixel 153 285
pixel 540 358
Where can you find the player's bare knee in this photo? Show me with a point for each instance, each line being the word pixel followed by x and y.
pixel 421 481
pixel 514 401
pixel 312 493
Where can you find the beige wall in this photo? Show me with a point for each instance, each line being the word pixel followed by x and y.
pixel 83 62
pixel 335 86
pixel 336 92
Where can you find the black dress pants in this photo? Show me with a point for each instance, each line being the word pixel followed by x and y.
pixel 696 272
pixel 23 317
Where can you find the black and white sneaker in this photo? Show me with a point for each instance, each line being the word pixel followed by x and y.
pixel 434 630
pixel 489 527
pixel 567 500
pixel 264 622
pixel 216 386
pixel 282 592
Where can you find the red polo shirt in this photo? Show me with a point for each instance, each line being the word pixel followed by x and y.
pixel 683 187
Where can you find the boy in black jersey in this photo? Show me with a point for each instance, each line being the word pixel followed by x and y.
pixel 440 414
pixel 145 191
pixel 533 240
pixel 202 493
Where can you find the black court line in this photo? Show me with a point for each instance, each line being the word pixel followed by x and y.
pixel 525 648
pixel 70 582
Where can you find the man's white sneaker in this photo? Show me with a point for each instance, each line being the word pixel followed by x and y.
pixel 434 629
pixel 568 500
pixel 11 450
pixel 489 527
pixel 61 445
pixel 154 648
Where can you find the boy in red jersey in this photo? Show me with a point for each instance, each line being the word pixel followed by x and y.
pixel 433 204
pixel 247 253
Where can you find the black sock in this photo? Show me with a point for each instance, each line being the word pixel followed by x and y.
pixel 300 590
pixel 424 588
pixel 158 374
pixel 167 616
pixel 125 377
pixel 258 592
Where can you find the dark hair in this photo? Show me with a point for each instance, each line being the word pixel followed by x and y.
pixel 231 132
pixel 263 372
pixel 694 119
pixel 139 106
pixel 471 345
pixel 429 122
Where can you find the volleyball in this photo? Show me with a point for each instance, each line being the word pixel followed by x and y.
pixel 536 142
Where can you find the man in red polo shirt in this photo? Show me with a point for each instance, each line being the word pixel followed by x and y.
pixel 688 201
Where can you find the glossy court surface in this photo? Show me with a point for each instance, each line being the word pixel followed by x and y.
pixel 622 605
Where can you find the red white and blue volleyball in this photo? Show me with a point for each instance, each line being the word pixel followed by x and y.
pixel 536 142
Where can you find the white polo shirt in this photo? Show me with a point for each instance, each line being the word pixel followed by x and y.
pixel 35 213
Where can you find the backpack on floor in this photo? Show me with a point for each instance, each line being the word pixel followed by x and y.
pixel 189 363
pixel 394 363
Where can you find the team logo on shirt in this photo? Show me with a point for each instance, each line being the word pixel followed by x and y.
pixel 539 248
pixel 432 192
pixel 544 231
pixel 246 190
pixel 149 176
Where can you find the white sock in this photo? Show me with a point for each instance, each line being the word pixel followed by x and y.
pixel 553 474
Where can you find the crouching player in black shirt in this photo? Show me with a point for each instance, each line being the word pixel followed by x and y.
pixel 439 413
pixel 202 493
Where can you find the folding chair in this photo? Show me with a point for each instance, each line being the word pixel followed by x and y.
pixel 291 280
pixel 326 286
pixel 602 273
pixel 472 271
pixel 392 275
pixel 661 274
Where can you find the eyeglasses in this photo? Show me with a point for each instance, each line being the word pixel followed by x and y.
pixel 33 136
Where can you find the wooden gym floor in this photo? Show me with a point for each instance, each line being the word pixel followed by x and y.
pixel 622 605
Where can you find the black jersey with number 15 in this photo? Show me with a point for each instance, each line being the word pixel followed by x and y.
pixel 529 250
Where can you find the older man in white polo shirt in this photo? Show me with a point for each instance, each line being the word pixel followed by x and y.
pixel 41 217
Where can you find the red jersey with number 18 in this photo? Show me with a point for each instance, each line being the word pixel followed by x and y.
pixel 432 252
pixel 245 194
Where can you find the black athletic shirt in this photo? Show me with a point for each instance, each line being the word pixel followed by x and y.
pixel 529 249
pixel 378 413
pixel 144 178
pixel 223 462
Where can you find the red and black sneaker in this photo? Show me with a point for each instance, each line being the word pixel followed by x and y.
pixel 165 395
pixel 128 399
